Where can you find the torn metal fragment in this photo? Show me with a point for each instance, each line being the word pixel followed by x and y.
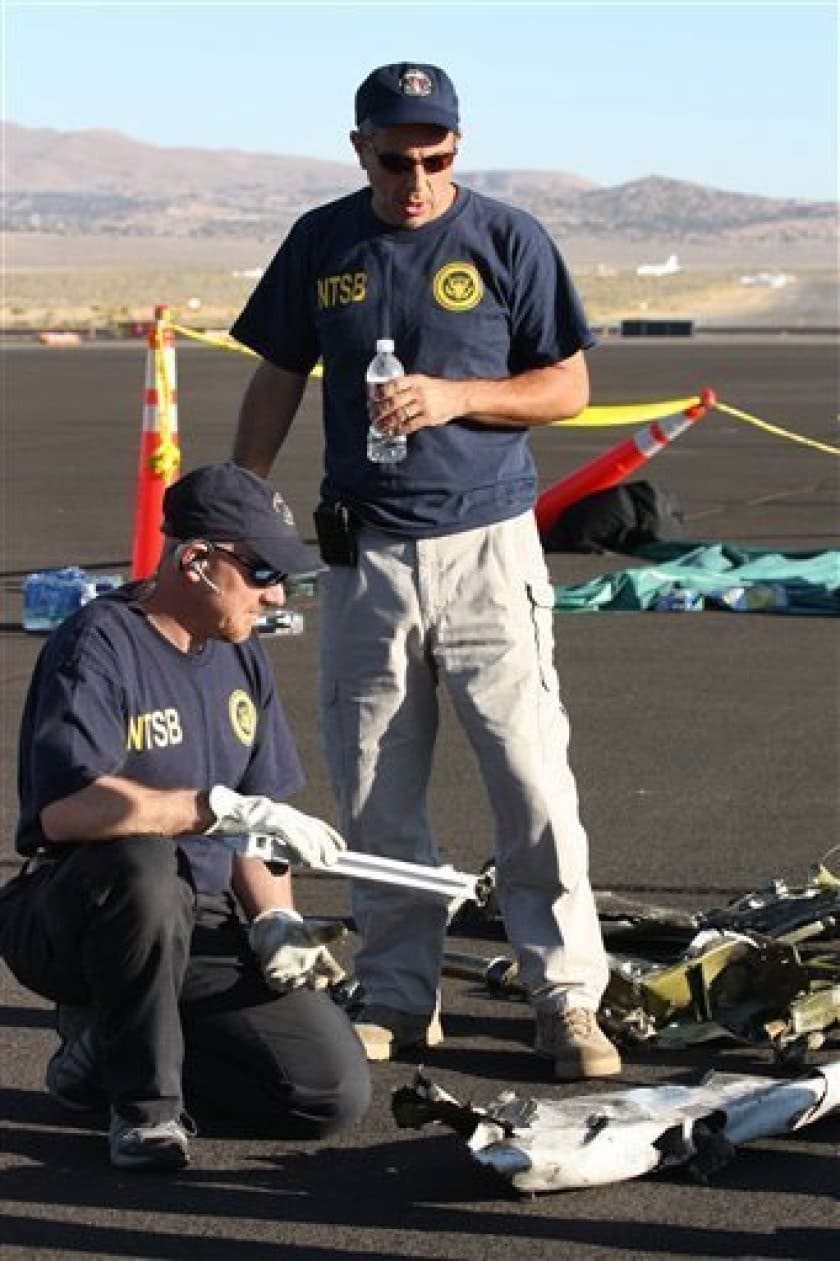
pixel 591 1140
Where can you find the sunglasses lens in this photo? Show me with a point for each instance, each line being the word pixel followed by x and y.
pixel 259 574
pixel 265 577
pixel 399 164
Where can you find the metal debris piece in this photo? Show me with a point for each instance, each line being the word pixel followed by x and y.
pixel 500 975
pixel 744 986
pixel 442 881
pixel 810 911
pixel 763 970
pixel 726 985
pixel 591 1140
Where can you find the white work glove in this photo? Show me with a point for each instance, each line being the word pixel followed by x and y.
pixel 308 840
pixel 292 952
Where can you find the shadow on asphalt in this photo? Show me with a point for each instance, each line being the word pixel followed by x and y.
pixel 291 1191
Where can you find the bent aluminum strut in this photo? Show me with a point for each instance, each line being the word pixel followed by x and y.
pixel 445 882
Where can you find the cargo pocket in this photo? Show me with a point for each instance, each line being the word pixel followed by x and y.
pixel 541 600
pixel 331 730
pixel 26 946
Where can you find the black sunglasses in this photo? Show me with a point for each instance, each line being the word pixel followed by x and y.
pixel 402 164
pixel 260 574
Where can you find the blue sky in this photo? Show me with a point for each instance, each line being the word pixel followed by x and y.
pixel 737 96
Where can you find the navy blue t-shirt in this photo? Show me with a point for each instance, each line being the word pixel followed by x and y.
pixel 481 292
pixel 111 696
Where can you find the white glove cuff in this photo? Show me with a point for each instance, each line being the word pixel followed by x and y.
pixel 279 912
pixel 222 801
pixel 272 929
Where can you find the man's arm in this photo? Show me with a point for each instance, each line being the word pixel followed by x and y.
pixel 271 400
pixel 257 889
pixel 112 807
pixel 536 397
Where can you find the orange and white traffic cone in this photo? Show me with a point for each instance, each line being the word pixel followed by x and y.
pixel 160 456
pixel 614 465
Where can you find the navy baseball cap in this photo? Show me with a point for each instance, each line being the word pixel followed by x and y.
pixel 226 503
pixel 408 93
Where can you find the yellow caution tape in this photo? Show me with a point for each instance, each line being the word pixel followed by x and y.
pixel 227 343
pixel 775 429
pixel 166 460
pixel 628 413
pixel 589 418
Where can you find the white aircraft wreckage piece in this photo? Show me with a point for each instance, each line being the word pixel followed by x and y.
pixel 592 1140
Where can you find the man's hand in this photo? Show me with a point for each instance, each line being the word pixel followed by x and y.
pixel 308 840
pixel 293 952
pixel 415 402
pixel 537 396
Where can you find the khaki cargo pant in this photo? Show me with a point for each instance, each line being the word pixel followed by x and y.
pixel 472 611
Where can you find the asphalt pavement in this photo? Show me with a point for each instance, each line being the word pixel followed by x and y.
pixel 706 751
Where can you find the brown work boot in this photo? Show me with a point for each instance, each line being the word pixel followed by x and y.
pixel 384 1031
pixel 576 1044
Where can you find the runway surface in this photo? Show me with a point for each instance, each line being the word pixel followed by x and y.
pixel 706 751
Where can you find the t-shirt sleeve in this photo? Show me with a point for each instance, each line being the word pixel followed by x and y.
pixel 275 322
pixel 75 728
pixel 548 319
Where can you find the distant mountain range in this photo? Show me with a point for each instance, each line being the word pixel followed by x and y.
pixel 104 183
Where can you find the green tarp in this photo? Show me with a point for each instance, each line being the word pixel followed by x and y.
pixel 713 576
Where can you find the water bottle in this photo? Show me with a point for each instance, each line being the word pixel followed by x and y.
pixel 282 622
pixel 51 595
pixel 758 597
pixel 383 448
pixel 679 600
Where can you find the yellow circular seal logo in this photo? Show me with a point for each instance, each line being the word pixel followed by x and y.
pixel 458 287
pixel 243 716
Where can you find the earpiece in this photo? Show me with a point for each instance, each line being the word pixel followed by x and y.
pixel 200 567
pixel 197 567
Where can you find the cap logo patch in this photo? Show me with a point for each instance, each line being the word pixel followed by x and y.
pixel 243 716
pixel 415 83
pixel 458 287
pixel 280 506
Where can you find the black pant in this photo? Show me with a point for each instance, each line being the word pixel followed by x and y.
pixel 181 1009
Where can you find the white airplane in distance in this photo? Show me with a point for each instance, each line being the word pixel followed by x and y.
pixel 769 279
pixel 668 268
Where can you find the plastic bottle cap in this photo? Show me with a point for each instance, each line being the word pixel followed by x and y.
pixel 385 346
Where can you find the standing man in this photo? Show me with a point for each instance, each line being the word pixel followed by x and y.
pixel 150 712
pixel 436 569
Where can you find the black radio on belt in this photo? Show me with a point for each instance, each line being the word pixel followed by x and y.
pixel 336 529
